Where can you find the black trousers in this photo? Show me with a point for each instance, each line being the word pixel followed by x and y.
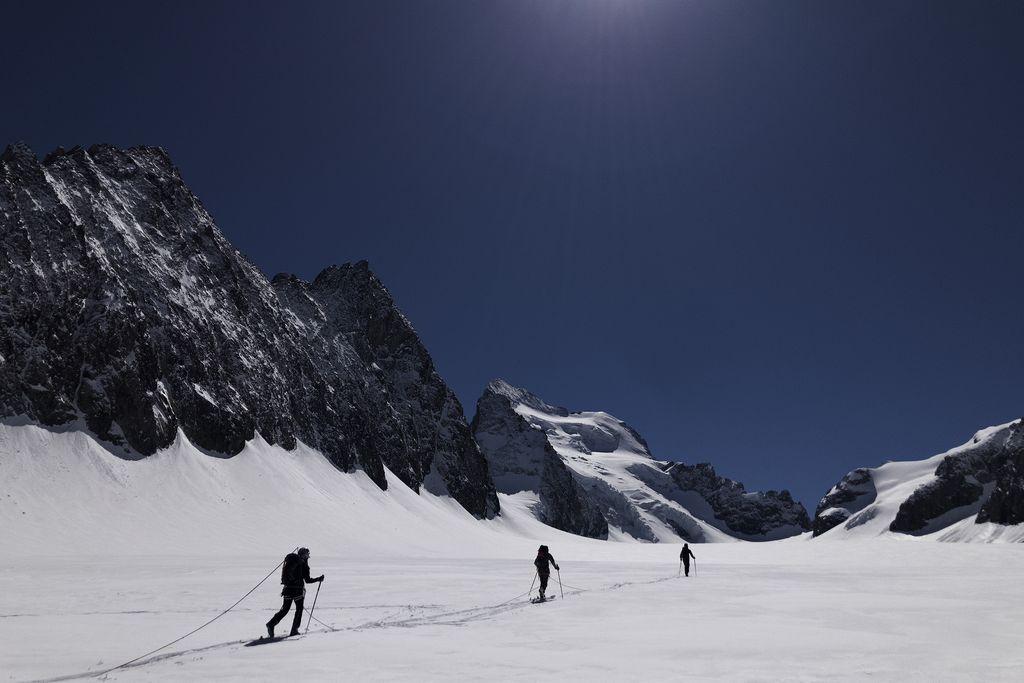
pixel 297 621
pixel 543 582
pixel 686 567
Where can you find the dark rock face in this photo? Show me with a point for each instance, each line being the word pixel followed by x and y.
pixel 987 477
pixel 745 513
pixel 1006 504
pixel 122 305
pixel 828 519
pixel 521 458
pixel 565 505
pixel 347 310
pixel 852 493
pixel 956 486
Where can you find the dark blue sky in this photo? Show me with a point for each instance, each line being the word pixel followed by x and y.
pixel 784 237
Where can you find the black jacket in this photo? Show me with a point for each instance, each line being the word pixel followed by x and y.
pixel 542 563
pixel 686 554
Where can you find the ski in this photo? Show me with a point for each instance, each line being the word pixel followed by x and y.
pixel 263 640
pixel 537 601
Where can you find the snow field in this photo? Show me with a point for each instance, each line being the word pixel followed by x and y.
pixel 880 609
pixel 113 558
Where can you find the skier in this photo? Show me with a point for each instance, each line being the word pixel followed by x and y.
pixel 543 571
pixel 294 573
pixel 685 556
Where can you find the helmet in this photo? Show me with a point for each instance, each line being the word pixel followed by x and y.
pixel 303 552
pixel 543 549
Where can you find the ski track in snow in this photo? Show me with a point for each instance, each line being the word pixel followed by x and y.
pixel 460 617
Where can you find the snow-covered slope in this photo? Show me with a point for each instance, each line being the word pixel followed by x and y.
pixel 528 443
pixel 125 310
pixel 65 494
pixel 974 492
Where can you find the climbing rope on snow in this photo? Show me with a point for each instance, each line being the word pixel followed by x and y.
pixel 502 604
pixel 195 630
pixel 310 613
pixel 576 588
pixel 618 585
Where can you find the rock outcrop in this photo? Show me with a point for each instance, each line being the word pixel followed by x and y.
pixel 852 493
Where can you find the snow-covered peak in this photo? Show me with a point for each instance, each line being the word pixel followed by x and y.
pixel 614 473
pixel 522 397
pixel 587 432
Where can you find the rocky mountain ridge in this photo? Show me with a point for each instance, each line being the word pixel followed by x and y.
pixel 953 494
pixel 122 306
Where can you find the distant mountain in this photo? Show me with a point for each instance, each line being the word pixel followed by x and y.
pixel 591 474
pixel 124 310
pixel 972 492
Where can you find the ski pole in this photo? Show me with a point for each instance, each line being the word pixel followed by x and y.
pixel 314 605
pixel 559 572
pixel 695 566
pixel 680 572
pixel 531 584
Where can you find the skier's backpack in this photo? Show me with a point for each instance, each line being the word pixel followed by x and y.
pixel 291 573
